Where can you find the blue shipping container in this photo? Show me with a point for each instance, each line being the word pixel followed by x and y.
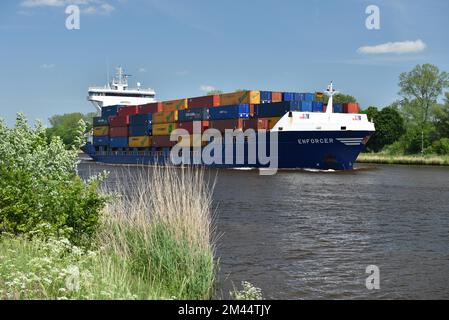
pixel 338 107
pixel 110 111
pixel 140 119
pixel 100 121
pixel 307 97
pixel 140 130
pixel 196 114
pixel 229 112
pixel 276 109
pixel 101 141
pixel 265 96
pixel 118 142
pixel 317 106
pixel 288 96
pixel 305 106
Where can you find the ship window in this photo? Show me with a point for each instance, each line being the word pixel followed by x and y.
pixel 343 128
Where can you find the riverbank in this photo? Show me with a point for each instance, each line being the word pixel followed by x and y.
pixel 431 160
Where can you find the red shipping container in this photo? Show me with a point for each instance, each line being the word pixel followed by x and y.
pixel 256 124
pixel 189 126
pixel 222 125
pixel 118 121
pixel 204 102
pixel 150 108
pixel 128 110
pixel 276 96
pixel 118 131
pixel 351 107
pixel 163 141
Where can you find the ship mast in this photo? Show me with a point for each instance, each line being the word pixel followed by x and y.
pixel 330 92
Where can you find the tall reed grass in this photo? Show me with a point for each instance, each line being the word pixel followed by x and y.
pixel 409 160
pixel 161 226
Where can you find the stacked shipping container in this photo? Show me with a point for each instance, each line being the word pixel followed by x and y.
pixel 150 125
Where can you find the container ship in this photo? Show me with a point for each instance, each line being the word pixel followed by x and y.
pixel 245 129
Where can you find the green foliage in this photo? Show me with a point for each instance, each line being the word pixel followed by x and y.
pixel 39 185
pixel 389 127
pixel 340 98
pixel 440 147
pixel 249 292
pixel 441 116
pixel 65 126
pixel 421 88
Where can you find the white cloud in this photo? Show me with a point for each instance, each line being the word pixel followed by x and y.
pixel 105 8
pixel 48 66
pixel 142 70
pixel 394 47
pixel 207 88
pixel 42 3
pixel 87 6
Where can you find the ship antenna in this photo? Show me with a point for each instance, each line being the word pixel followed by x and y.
pixel 107 73
pixel 330 92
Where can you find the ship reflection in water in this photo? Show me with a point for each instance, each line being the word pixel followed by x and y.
pixel 311 234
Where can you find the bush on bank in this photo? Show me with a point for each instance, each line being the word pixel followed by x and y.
pixel 39 185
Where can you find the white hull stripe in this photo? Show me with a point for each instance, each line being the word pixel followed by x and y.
pixel 351 141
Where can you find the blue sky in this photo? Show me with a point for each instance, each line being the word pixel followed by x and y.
pixel 179 47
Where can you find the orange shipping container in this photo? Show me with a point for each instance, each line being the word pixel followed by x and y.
pixel 351 107
pixel 174 105
pixel 165 117
pixel 241 97
pixel 164 129
pixel 140 142
pixel 276 96
pixel 101 131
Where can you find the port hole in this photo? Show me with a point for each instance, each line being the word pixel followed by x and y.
pixel 280 128
pixel 343 128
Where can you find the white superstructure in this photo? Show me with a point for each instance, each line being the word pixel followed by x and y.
pixel 324 121
pixel 117 92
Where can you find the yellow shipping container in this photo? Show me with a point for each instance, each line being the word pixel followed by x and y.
pixel 140 142
pixel 194 141
pixel 174 105
pixel 165 117
pixel 101 131
pixel 271 121
pixel 241 97
pixel 164 129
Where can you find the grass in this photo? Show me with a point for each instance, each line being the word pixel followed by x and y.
pixel 155 242
pixel 401 159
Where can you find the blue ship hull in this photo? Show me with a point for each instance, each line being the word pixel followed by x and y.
pixel 323 150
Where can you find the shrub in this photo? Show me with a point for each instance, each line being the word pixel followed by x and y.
pixel 440 147
pixel 249 292
pixel 39 185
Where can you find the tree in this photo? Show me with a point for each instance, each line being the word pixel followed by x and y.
pixel 420 89
pixel 389 127
pixel 65 126
pixel 341 98
pixel 441 116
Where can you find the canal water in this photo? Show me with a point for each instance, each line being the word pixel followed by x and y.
pixel 311 235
